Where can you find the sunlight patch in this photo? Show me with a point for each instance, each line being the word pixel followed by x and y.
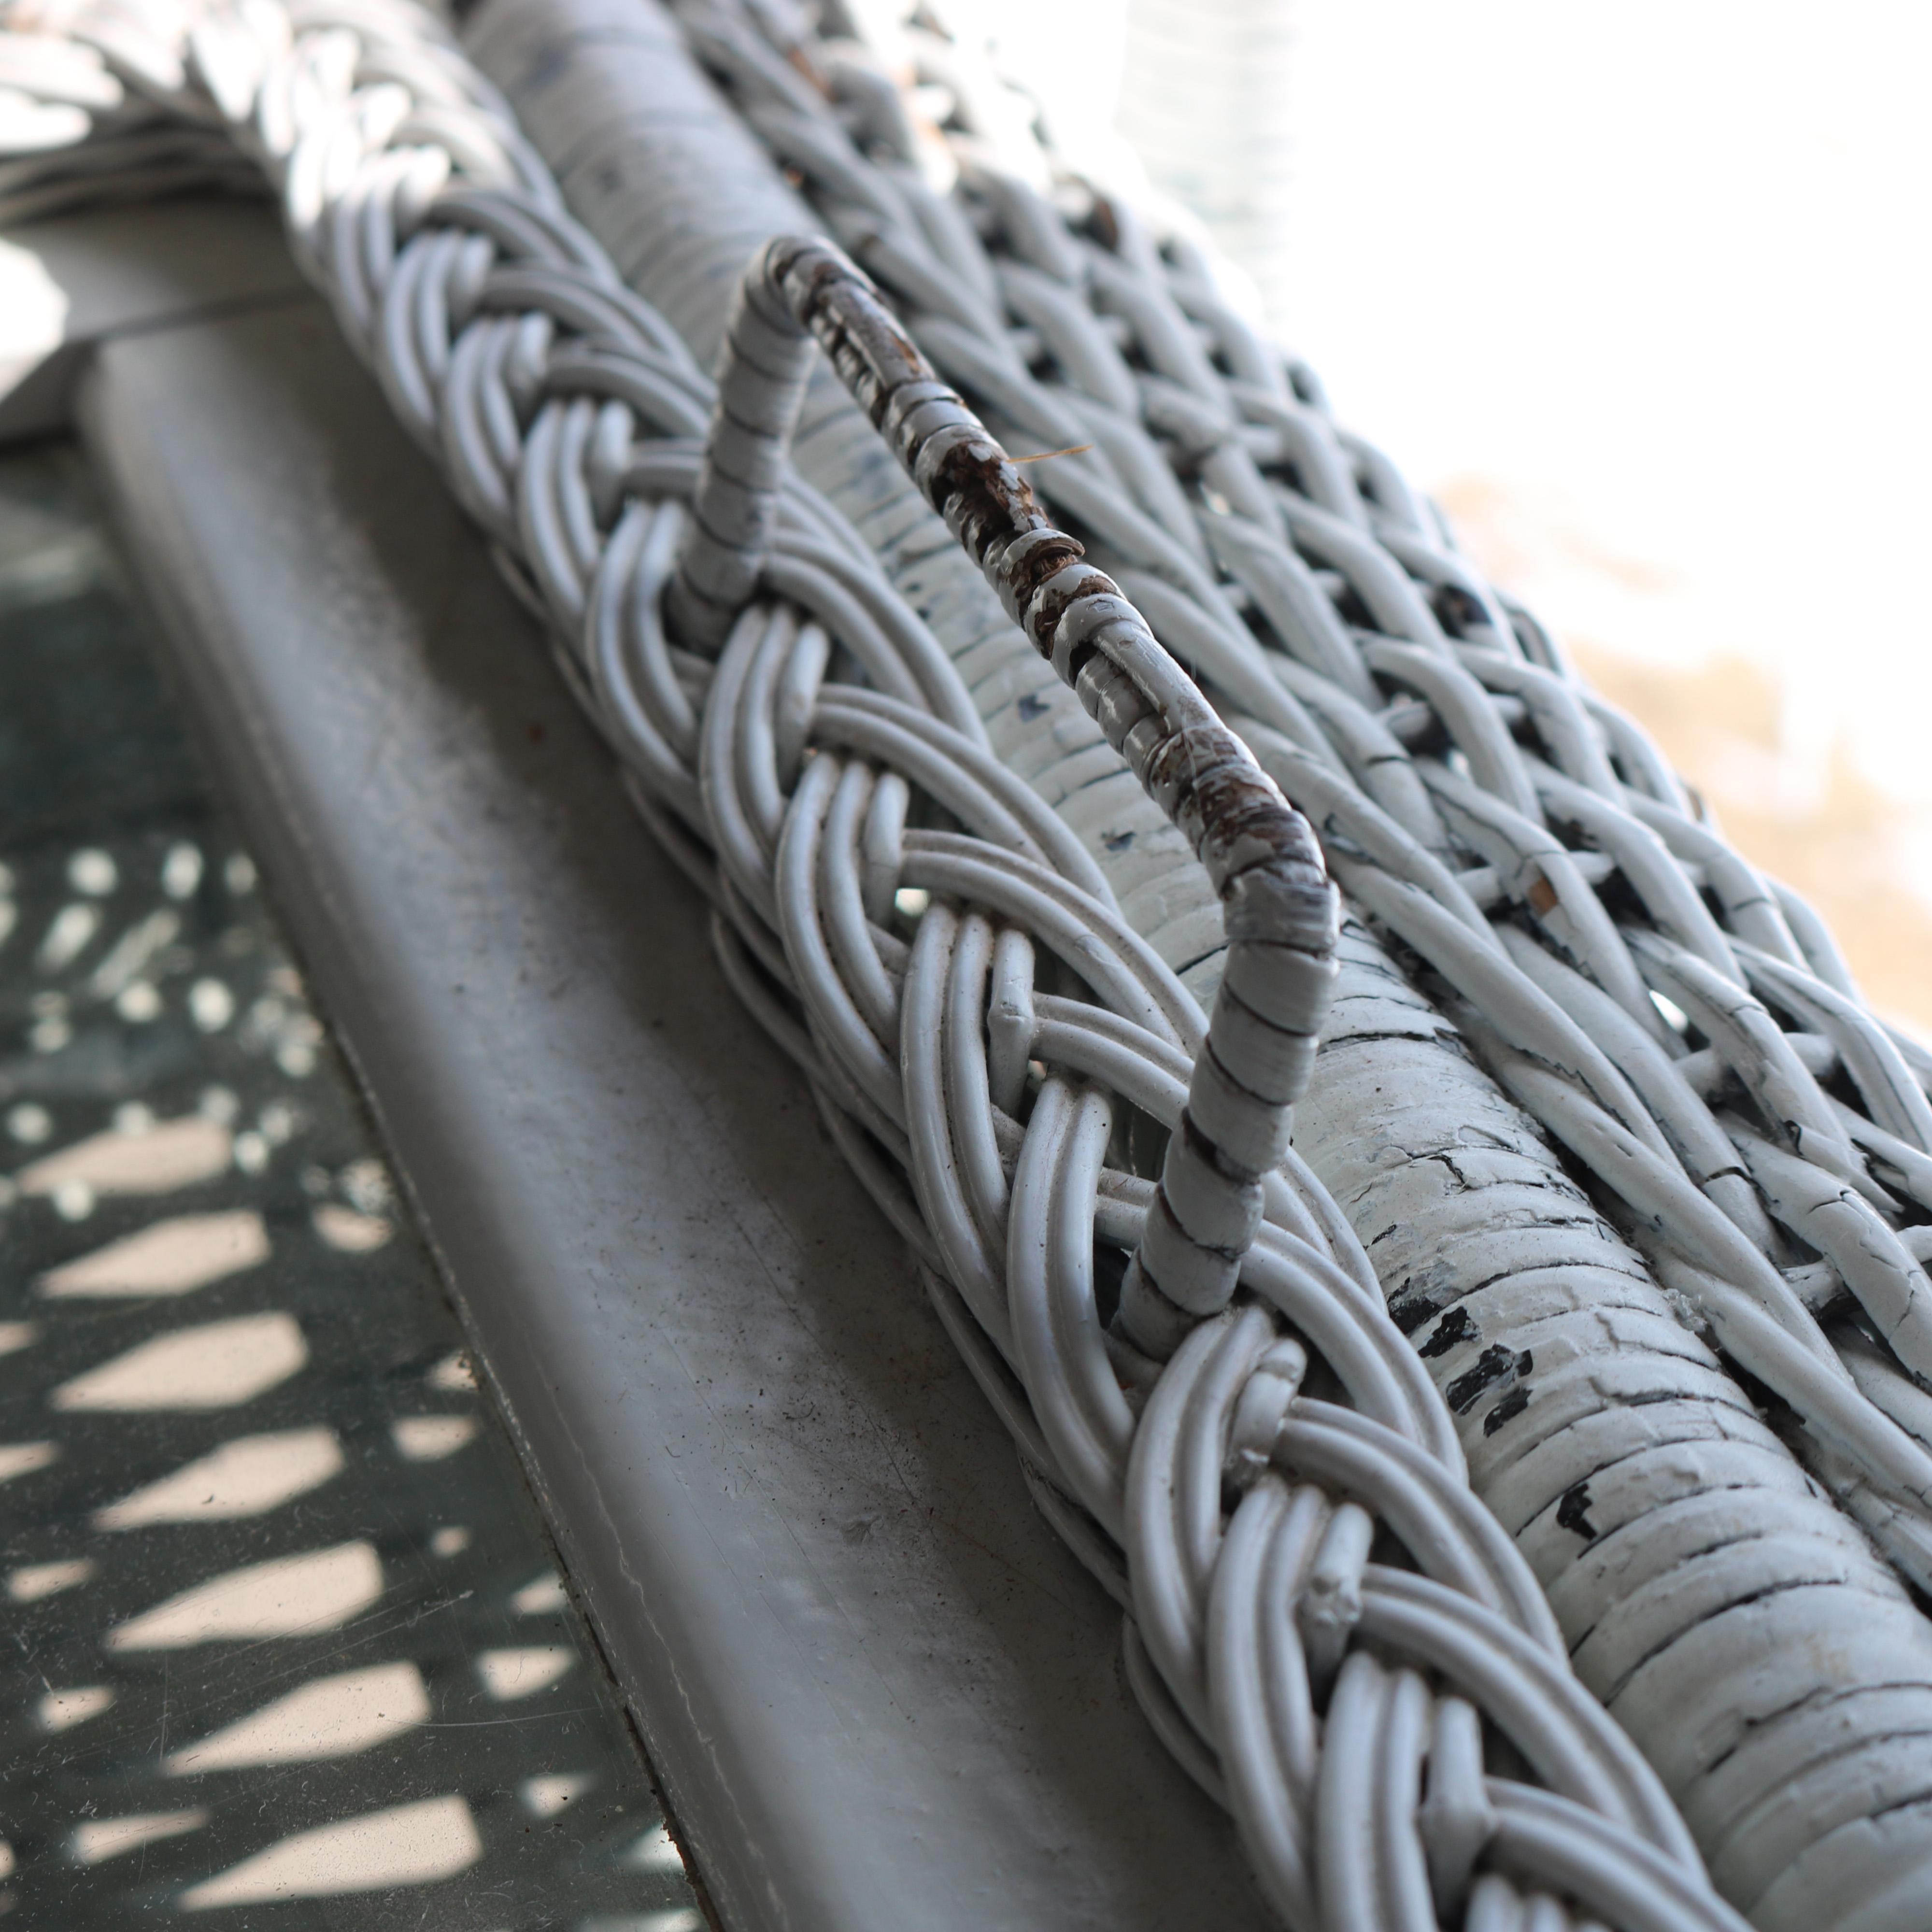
pixel 289 1596
pixel 214 1366
pixel 412 1844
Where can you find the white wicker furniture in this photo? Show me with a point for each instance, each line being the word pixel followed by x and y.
pixel 999 1109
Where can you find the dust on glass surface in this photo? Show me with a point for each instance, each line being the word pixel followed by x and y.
pixel 289 1648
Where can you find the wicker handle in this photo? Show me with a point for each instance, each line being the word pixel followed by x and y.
pixel 1278 907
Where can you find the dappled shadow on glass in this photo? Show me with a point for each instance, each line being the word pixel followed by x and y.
pixel 290 1647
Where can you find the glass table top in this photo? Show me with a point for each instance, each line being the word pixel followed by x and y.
pixel 289 1645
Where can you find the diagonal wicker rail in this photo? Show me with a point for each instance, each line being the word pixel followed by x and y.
pixel 1684 1027
pixel 998 1063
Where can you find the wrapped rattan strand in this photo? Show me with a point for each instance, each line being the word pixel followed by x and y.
pixel 820 840
pixel 1259 855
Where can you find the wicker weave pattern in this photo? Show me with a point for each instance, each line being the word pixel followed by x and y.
pixel 1689 1568
pixel 570 421
pixel 1473 798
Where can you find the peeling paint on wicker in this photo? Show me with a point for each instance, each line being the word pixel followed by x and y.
pixel 1415 1095
pixel 1493 790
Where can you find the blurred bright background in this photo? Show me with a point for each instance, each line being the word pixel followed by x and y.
pixel 1642 295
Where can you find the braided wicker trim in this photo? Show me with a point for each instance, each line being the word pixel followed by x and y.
pixel 1322 1618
